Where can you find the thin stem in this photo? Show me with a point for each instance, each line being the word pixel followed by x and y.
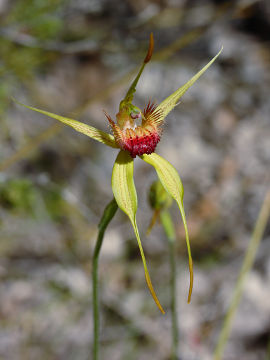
pixel 247 264
pixel 107 216
pixel 267 357
pixel 170 233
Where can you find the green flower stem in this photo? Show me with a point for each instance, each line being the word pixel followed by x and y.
pixel 267 357
pixel 168 227
pixel 247 264
pixel 107 216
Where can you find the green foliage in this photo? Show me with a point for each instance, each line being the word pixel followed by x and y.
pixel 18 195
pixel 16 67
pixel 40 18
pixel 60 290
pixel 23 197
pixel 54 202
pixel 158 197
pixel 39 21
pixel 19 62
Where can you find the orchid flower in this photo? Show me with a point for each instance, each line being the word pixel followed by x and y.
pixel 137 133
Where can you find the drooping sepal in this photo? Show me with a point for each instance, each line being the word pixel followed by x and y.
pixel 173 185
pixel 171 101
pixel 126 197
pixel 87 130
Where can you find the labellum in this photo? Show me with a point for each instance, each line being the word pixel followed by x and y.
pixel 137 139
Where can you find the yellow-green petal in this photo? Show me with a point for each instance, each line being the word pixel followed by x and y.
pixel 171 101
pixel 173 185
pixel 88 130
pixel 126 197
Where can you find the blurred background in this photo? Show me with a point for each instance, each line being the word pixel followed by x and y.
pixel 77 58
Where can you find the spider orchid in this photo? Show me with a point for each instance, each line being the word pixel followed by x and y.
pixel 136 133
